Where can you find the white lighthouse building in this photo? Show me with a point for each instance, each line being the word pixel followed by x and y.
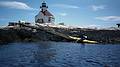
pixel 44 16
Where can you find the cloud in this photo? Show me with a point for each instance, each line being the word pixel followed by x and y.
pixel 63 14
pixel 97 7
pixel 15 5
pixel 65 6
pixel 109 18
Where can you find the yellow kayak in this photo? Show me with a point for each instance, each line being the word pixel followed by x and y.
pixel 84 41
pixel 89 41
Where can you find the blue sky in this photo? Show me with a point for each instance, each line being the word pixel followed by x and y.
pixel 82 13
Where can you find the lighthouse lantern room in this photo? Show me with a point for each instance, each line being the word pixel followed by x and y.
pixel 44 16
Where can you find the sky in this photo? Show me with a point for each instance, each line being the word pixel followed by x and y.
pixel 80 13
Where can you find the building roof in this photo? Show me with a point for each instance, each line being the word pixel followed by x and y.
pixel 118 24
pixel 47 13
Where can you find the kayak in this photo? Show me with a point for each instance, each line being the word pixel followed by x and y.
pixel 82 41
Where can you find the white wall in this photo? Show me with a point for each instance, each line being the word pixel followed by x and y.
pixel 45 18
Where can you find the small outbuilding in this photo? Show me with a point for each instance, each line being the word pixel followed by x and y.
pixel 118 25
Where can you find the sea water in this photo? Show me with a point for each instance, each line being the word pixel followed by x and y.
pixel 59 54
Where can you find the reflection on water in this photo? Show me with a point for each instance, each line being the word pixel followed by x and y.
pixel 52 54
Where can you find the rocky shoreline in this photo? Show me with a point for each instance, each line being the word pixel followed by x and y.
pixel 25 35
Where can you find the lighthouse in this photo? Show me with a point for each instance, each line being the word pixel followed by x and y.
pixel 44 16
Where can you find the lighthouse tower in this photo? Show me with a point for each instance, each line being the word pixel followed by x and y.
pixel 44 16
